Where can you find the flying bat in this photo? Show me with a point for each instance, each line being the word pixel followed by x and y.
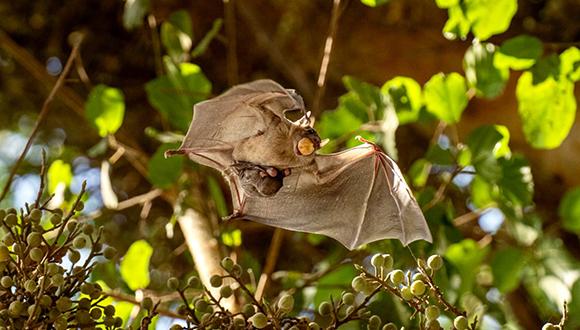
pixel 278 178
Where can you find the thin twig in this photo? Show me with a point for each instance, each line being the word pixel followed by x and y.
pixel 271 259
pixel 139 199
pixel 123 297
pixel 321 82
pixel 42 115
pixel 42 179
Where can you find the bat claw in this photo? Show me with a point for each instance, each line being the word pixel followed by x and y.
pixel 236 215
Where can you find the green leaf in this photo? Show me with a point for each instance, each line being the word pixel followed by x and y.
pixel 490 17
pixel 483 193
pixel 405 95
pixel 518 53
pixel 545 68
pixel 333 284
pixel 457 26
pixel 437 155
pixel 367 95
pixel 419 172
pixel 203 44
pixel 569 211
pixel 105 108
pixel 374 3
pixel 134 12
pixel 445 96
pixel 164 172
pixel 466 256
pixel 516 183
pixel 574 321
pixel 174 94
pixel 446 3
pixel 135 265
pixel 547 110
pixel 481 72
pixel 59 173
pixel 507 267
pixel 175 41
pixel 182 20
pixel 487 143
pixel 570 63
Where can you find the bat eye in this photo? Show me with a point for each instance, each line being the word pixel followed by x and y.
pixel 305 146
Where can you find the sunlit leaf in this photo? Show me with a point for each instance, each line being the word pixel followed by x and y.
pixel 569 210
pixel 547 110
pixel 134 12
pixel 518 53
pixel 437 155
pixel 163 172
pixel 374 3
pixel 481 72
pixel 570 63
pixel 466 256
pixel 445 96
pixel 59 173
pixel 507 267
pixel 134 267
pixel 457 26
pixel 105 108
pixel 490 17
pixel 517 184
pixel 405 95
pixel 232 238
pixel 419 172
pixel 483 193
pixel 486 144
pixel 446 3
pixel 174 94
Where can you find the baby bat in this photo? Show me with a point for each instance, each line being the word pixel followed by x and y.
pixel 277 178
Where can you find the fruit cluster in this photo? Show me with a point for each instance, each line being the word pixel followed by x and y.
pixel 38 289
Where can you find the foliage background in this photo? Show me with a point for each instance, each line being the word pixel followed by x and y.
pixel 143 65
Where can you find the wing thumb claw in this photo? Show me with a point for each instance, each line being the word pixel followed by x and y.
pixel 173 152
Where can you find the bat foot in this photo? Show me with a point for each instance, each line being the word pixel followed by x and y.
pixel 236 215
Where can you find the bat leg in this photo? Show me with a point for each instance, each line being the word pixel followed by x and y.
pixel 238 214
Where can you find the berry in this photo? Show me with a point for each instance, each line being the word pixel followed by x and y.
pixel 109 311
pixel 216 281
pixel 227 263
pixel 15 308
pixel 30 285
pixel 35 215
pixel 79 242
pixel 358 283
pixel 259 320
pixel 460 322
pixel 96 313
pixel 6 281
pixel 147 303
pixel 55 219
pixel 11 220
pixel 201 305
pixel 432 312
pixel 418 288
pixel 193 282
pixel 4 253
pixel 286 303
pixel 313 326
pixel 110 252
pixel 390 326
pixel 80 206
pixel 63 304
pixel 348 298
pixel 378 261
pixel 435 262
pixel 173 283
pixel 71 225
pixel 36 254
pixel 397 276
pixel 406 293
pixel 88 229
pixel 226 291
pixel 325 308
pixel 374 322
pixel 388 261
pixel 74 256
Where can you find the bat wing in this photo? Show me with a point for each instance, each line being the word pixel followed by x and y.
pixel 220 123
pixel 356 196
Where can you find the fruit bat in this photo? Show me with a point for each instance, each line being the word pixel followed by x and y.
pixel 278 178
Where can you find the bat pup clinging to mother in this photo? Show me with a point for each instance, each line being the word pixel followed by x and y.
pixel 277 178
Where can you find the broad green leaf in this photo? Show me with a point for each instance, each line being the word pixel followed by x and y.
pixel 518 53
pixel 163 172
pixel 516 183
pixel 445 96
pixel 217 196
pixel 547 110
pixel 105 108
pixel 405 95
pixel 336 123
pixel 569 211
pixel 182 20
pixel 177 42
pixel 545 68
pixel 419 172
pixel 369 95
pixel 446 3
pixel 507 267
pixel 203 44
pixel 483 193
pixel 374 3
pixel 466 256
pixel 134 267
pixel 333 284
pixel 174 94
pixel 481 73
pixel 457 26
pixel 570 63
pixel 59 173
pixel 487 143
pixel 134 12
pixel 437 155
pixel 490 17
